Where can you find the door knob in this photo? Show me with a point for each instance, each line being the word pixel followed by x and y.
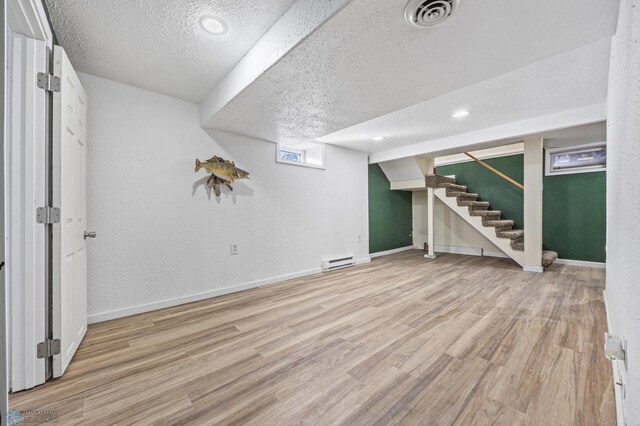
pixel 91 234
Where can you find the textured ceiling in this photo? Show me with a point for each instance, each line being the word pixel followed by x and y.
pixel 158 44
pixel 343 71
pixel 366 62
pixel 301 20
pixel 560 83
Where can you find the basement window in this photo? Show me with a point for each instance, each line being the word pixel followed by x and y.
pixel 307 154
pixel 576 159
pixel 291 155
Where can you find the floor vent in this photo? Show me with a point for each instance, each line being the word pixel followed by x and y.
pixel 333 264
pixel 429 13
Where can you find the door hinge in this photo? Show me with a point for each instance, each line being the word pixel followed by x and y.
pixel 48 215
pixel 48 348
pixel 48 82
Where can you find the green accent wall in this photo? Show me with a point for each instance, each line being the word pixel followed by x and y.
pixel 390 214
pixel 574 213
pixel 574 205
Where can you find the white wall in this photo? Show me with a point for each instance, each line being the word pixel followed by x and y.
pixel 623 198
pixel 163 239
pixel 450 229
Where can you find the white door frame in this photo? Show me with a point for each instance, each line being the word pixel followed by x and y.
pixel 4 371
pixel 26 157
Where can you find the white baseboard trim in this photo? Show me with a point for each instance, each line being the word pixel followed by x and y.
pixel 181 300
pixel 614 367
pixel 474 251
pixel 495 254
pixel 363 260
pixel 528 268
pixel 469 251
pixel 387 252
pixel 582 263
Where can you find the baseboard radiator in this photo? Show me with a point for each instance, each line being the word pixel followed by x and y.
pixel 333 264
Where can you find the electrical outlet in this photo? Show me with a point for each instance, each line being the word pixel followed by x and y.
pixel 359 238
pixel 234 248
pixel 614 347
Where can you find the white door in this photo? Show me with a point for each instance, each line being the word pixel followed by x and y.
pixel 28 50
pixel 70 195
pixel 26 190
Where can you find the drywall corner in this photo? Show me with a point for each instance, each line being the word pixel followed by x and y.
pixel 623 199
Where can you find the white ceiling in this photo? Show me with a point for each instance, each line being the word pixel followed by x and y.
pixel 590 133
pixel 366 62
pixel 343 71
pixel 563 82
pixel 158 44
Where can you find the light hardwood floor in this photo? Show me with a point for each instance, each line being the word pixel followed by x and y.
pixel 459 340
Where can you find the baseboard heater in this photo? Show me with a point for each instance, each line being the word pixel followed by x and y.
pixel 333 264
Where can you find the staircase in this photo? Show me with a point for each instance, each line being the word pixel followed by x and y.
pixel 489 222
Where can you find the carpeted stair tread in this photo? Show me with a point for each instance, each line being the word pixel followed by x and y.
pixel 518 245
pixel 462 195
pixel 488 214
pixel 548 257
pixel 498 223
pixel 477 205
pixel 435 181
pixel 454 187
pixel 513 234
pixel 480 205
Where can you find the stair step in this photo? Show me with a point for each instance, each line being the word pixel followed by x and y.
pixel 476 205
pixel 548 257
pixel 499 224
pixel 513 234
pixel 454 187
pixel 487 214
pixel 517 243
pixel 435 181
pixel 462 195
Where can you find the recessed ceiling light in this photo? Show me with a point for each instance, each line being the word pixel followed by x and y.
pixel 377 138
pixel 213 25
pixel 460 114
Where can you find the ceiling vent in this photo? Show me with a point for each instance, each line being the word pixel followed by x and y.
pixel 429 13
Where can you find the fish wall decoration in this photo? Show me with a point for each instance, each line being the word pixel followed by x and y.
pixel 223 172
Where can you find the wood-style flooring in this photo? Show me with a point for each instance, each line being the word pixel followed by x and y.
pixel 458 340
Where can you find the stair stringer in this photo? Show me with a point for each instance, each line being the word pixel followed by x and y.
pixel 476 221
